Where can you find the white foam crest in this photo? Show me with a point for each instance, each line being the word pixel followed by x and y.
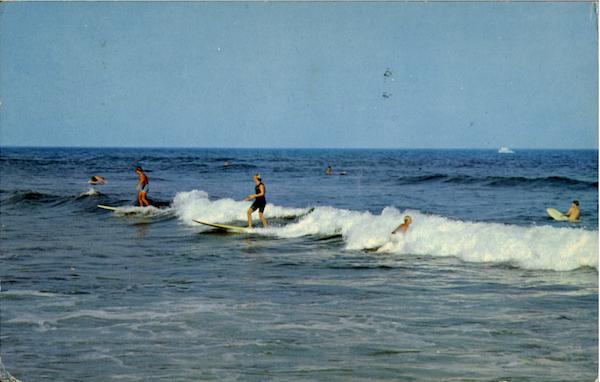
pixel 543 247
pixel 90 192
pixel 163 311
pixel 190 205
pixel 328 221
pixel 5 375
pixel 27 293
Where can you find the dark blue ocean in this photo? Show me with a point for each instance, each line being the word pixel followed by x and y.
pixel 484 286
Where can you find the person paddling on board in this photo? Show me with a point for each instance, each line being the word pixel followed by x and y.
pixel 96 179
pixel 573 213
pixel 142 187
pixel 259 201
pixel 404 226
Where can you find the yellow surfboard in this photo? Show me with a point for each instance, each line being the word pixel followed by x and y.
pixel 556 214
pixel 231 228
pixel 107 207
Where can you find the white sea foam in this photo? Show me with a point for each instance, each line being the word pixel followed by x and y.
pixel 4 375
pixel 26 293
pixel 90 192
pixel 159 312
pixel 543 247
pixel 537 247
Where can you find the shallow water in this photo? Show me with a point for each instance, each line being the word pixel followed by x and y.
pixel 483 287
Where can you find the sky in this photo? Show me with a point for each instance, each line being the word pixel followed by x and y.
pixel 299 74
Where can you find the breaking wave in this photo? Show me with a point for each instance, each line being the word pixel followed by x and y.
pixel 534 247
pixel 196 204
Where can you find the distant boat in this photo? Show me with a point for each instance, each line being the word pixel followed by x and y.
pixel 505 150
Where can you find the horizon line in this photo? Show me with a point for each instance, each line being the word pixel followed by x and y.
pixel 285 148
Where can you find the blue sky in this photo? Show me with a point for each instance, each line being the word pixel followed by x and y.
pixel 294 74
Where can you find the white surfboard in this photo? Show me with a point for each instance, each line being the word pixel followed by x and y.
pixel 107 207
pixel 556 214
pixel 132 210
pixel 224 227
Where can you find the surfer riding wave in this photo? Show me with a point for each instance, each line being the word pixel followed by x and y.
pixel 260 201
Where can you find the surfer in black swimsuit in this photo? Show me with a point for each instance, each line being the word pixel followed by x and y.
pixel 259 201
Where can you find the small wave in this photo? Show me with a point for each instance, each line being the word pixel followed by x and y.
pixel 240 166
pixel 554 181
pixel 161 311
pixel 32 197
pixel 26 293
pixel 551 181
pixel 421 179
pixel 90 192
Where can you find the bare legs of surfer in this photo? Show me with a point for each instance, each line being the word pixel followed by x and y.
pixel 260 215
pixel 142 201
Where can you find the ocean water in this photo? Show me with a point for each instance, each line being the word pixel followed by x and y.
pixel 483 286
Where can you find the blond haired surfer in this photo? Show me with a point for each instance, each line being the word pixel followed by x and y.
pixel 404 226
pixel 260 201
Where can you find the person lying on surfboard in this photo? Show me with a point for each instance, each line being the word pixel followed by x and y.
pixel 96 179
pixel 574 212
pixel 142 187
pixel 259 201
pixel 404 226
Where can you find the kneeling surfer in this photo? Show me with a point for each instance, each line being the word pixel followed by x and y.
pixel 259 201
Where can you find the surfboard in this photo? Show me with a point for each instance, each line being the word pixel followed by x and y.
pixel 127 210
pixel 225 227
pixel 107 207
pixel 110 208
pixel 556 214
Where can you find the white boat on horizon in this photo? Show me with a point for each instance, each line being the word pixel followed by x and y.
pixel 505 150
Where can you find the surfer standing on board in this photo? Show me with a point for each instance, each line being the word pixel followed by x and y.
pixel 574 211
pixel 142 187
pixel 259 201
pixel 404 226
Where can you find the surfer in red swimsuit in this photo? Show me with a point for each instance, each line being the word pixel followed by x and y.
pixel 142 187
